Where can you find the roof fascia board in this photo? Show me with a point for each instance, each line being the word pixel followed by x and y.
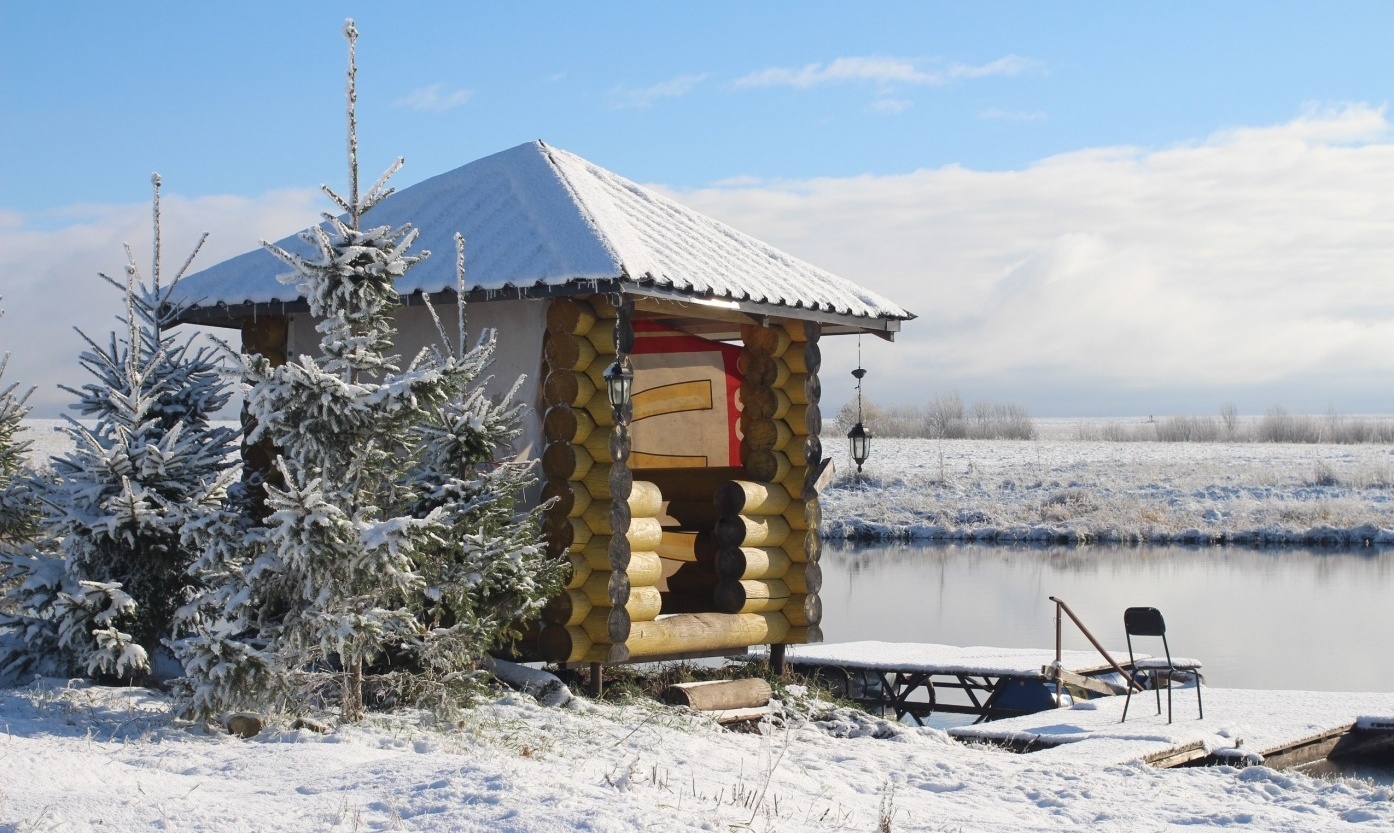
pixel 231 315
pixel 760 310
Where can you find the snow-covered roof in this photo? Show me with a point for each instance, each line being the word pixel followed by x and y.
pixel 538 216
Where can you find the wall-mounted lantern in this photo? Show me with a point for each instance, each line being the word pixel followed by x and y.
pixel 619 384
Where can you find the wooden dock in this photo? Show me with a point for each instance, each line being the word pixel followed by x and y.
pixel 914 679
pixel 1241 727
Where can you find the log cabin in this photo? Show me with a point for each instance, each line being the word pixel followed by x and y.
pixel 689 517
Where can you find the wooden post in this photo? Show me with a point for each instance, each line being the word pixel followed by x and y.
pixel 777 660
pixel 596 684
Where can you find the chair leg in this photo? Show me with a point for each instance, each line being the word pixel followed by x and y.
pixel 1199 704
pixel 1168 695
pixel 1128 701
pixel 1158 691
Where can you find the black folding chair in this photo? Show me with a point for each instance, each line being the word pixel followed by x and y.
pixel 1148 621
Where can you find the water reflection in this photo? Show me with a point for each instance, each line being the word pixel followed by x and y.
pixel 1296 619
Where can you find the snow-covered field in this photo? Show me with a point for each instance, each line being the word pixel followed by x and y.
pixel 1062 489
pixel 86 758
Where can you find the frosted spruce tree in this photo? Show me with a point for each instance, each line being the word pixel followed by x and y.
pixel 19 511
pixel 146 461
pixel 395 553
pixel 19 525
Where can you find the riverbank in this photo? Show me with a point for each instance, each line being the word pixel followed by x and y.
pixel 1061 490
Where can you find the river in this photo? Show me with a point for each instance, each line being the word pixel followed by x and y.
pixel 1276 619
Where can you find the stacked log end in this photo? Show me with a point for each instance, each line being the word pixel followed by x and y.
pixel 767 527
pixel 586 471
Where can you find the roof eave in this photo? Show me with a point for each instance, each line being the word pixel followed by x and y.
pixel 232 315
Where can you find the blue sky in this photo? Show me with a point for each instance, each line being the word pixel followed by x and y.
pixel 1112 138
pixel 240 98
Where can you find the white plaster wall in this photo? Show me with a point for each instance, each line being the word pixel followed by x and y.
pixel 519 327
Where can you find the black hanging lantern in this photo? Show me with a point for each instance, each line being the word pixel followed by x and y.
pixel 859 438
pixel 861 445
pixel 619 384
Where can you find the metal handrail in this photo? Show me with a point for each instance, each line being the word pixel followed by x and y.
pixel 1059 606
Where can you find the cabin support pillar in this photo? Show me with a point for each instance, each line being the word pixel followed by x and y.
pixel 777 660
pixel 586 466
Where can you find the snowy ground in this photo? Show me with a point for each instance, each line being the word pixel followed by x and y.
pixel 1061 489
pixel 85 758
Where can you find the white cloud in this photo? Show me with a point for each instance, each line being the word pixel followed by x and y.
pixel 49 265
pixel 642 98
pixel 995 114
pixel 1256 262
pixel 891 106
pixel 436 98
pixel 881 70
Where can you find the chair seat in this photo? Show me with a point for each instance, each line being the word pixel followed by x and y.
pixel 1178 663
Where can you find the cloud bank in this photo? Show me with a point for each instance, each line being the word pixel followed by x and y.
pixel 1256 265
pixel 881 70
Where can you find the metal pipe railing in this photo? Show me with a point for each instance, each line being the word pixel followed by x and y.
pixel 1059 606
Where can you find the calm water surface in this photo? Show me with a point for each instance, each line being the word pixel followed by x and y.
pixel 1295 619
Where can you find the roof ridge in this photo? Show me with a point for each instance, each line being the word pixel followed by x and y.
pixel 587 213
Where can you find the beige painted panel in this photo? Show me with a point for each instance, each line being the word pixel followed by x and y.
pixel 519 326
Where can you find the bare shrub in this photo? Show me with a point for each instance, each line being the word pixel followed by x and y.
pixel 1001 421
pixel 1188 429
pixel 1279 426
pixel 943 417
pixel 1119 432
pixel 1229 418
pixel 1351 430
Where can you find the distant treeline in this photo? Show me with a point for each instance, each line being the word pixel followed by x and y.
pixel 947 417
pixel 1277 425
pixel 944 417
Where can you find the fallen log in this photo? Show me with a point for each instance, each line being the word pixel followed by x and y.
pixel 719 695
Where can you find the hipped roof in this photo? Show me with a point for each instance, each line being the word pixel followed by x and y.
pixel 541 221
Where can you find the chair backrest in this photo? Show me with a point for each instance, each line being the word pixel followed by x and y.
pixel 1144 621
